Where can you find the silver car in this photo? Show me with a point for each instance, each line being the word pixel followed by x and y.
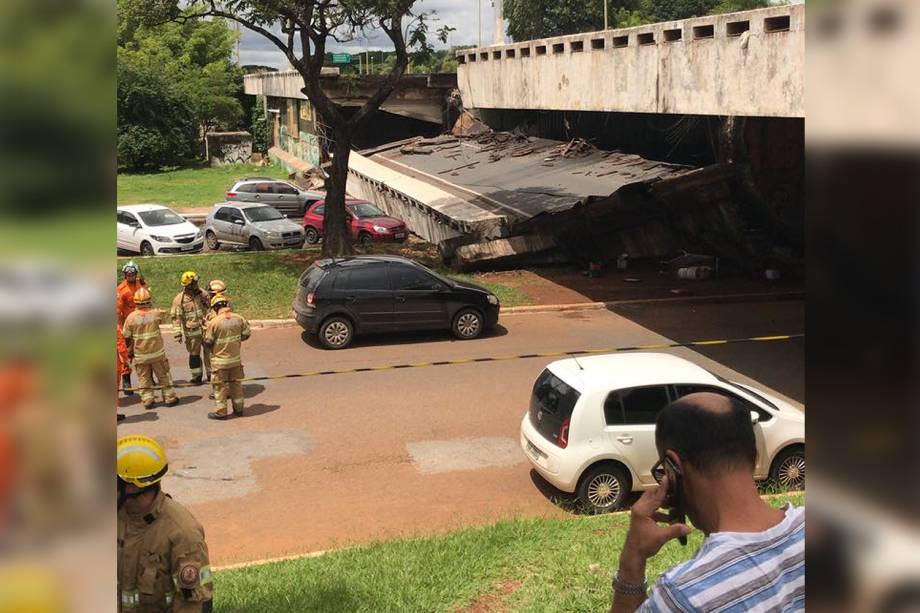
pixel 284 196
pixel 257 225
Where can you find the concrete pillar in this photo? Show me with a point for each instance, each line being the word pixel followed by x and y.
pixel 499 22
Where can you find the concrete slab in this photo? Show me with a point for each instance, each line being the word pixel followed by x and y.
pixel 433 457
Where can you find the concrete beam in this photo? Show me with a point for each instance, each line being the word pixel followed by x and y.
pixel 749 63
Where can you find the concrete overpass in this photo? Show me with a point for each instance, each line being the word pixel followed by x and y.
pixel 749 63
pixel 421 97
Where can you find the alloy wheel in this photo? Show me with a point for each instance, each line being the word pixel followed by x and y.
pixel 791 473
pixel 603 490
pixel 336 333
pixel 468 325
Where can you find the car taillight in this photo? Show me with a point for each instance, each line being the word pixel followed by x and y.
pixel 231 194
pixel 311 298
pixel 563 439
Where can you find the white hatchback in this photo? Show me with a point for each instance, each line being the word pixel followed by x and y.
pixel 152 229
pixel 590 429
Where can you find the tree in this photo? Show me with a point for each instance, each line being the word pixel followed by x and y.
pixel 301 30
pixel 530 19
pixel 261 132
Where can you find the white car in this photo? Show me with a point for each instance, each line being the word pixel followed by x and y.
pixel 153 229
pixel 590 428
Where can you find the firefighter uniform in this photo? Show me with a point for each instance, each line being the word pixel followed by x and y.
pixel 224 334
pixel 189 311
pixel 142 330
pixel 162 555
pixel 124 304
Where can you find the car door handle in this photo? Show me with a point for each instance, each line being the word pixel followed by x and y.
pixel 257 196
pixel 400 299
pixel 625 438
pixel 350 299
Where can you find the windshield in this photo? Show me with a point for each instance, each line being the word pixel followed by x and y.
pixel 746 390
pixel 442 278
pixel 262 213
pixel 365 210
pixel 160 217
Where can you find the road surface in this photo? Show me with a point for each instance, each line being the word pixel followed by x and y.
pixel 329 461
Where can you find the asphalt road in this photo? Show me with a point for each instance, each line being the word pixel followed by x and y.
pixel 329 461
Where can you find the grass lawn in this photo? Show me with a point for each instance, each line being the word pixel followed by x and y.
pixel 516 565
pixel 262 285
pixel 188 187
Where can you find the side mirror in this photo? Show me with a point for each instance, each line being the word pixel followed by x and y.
pixel 755 417
pixel 239 222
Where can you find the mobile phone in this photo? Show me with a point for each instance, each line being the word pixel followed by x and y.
pixel 675 498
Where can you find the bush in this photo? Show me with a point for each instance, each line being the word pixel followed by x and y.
pixel 261 134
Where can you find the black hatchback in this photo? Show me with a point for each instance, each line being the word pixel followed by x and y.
pixel 338 298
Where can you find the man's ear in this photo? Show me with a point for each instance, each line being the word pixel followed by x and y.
pixel 672 455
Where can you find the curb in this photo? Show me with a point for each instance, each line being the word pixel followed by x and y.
pixel 582 306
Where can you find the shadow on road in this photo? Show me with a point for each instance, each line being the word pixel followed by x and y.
pixel 140 418
pixel 259 409
pixel 250 390
pixel 190 399
pixel 403 338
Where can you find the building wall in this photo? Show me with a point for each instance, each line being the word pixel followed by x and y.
pixel 701 66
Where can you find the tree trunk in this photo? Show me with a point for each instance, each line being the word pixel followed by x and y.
pixel 336 238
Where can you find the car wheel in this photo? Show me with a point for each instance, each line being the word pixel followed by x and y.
pixel 311 236
pixel 788 469
pixel 255 244
pixel 336 332
pixel 211 239
pixel 467 324
pixel 604 488
pixel 147 249
pixel 365 240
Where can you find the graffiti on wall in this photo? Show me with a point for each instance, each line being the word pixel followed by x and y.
pixel 304 146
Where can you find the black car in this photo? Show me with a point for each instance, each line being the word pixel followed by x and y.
pixel 338 298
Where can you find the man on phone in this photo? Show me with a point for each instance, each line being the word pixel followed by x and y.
pixel 752 556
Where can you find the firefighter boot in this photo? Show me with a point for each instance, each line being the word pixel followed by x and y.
pixel 126 384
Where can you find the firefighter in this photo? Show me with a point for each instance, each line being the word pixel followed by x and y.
pixel 124 304
pixel 162 555
pixel 224 333
pixel 188 311
pixel 145 345
pixel 214 287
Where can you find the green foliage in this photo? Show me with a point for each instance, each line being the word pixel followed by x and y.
pixel 260 129
pixel 733 6
pixel 187 67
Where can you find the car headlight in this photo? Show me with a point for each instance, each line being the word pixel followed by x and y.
pixel 272 234
pixel 492 300
pixel 381 230
pixel 161 239
pixel 198 235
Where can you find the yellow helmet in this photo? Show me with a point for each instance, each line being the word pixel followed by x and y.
pixel 218 298
pixel 217 286
pixel 188 277
pixel 141 461
pixel 142 296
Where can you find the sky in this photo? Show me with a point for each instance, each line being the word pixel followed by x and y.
pixel 460 14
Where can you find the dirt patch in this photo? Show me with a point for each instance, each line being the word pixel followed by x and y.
pixel 539 289
pixel 414 248
pixel 493 601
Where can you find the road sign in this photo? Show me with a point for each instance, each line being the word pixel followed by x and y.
pixel 341 58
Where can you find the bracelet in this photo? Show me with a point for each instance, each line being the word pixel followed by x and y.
pixel 628 589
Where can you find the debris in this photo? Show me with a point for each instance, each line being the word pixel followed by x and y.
pixel 771 274
pixel 444 172
pixel 632 280
pixel 694 273
pixel 622 261
pixel 680 291
pixel 467 125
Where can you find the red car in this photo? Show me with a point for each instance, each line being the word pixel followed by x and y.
pixel 366 223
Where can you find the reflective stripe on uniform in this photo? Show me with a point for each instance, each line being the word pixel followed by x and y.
pixel 228 339
pixel 142 336
pixel 216 361
pixel 170 596
pixel 196 314
pixel 193 332
pixel 150 356
pixel 205 574
pixel 130 599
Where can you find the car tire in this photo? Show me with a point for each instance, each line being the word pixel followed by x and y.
pixel 365 240
pixel 255 244
pixel 467 325
pixel 788 469
pixel 147 249
pixel 211 239
pixel 311 236
pixel 336 332
pixel 604 488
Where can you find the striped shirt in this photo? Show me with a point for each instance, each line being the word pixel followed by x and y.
pixel 739 571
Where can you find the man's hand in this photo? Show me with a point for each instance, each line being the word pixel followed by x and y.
pixel 646 537
pixel 177 337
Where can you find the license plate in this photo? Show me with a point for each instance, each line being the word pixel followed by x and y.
pixel 532 450
pixel 189 248
pixel 401 235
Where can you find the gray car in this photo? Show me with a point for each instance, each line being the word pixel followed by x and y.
pixel 284 196
pixel 257 225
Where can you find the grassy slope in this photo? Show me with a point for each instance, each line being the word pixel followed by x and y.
pixel 261 285
pixel 188 187
pixel 545 564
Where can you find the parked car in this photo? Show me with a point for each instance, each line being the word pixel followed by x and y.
pixel 367 223
pixel 257 225
pixel 339 298
pixel 152 229
pixel 590 428
pixel 283 195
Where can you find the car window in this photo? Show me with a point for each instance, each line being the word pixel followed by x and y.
pixel 405 277
pixel 247 188
pixel 127 218
pixel 320 210
pixel 684 389
pixel 365 210
pixel 640 405
pixel 284 188
pixel 235 214
pixel 311 277
pixel 263 213
pixel 362 278
pixel 222 214
pixel 264 188
pixel 554 396
pixel 160 217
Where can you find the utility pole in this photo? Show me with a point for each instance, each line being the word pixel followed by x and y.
pixel 605 14
pixel 499 22
pixel 479 13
